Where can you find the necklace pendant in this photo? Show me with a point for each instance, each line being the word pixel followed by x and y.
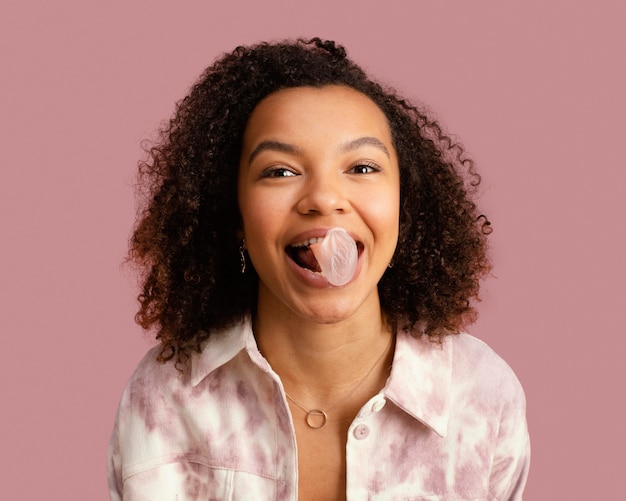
pixel 316 418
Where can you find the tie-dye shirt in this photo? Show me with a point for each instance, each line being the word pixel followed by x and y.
pixel 449 425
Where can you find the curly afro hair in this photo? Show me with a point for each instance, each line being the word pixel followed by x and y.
pixel 185 240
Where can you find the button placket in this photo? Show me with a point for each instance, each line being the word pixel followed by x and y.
pixel 361 432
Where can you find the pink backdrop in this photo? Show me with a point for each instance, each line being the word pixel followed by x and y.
pixel 534 89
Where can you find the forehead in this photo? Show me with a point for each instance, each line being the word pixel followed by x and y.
pixel 332 109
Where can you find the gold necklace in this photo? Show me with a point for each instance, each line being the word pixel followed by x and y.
pixel 317 418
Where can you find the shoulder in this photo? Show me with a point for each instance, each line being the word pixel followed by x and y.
pixel 151 390
pixel 151 375
pixel 145 406
pixel 479 371
pixel 489 400
pixel 159 395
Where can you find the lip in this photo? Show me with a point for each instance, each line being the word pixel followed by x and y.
pixel 315 279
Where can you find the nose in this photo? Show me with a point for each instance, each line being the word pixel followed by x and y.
pixel 323 196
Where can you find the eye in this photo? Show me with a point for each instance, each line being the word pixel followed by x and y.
pixel 365 168
pixel 278 171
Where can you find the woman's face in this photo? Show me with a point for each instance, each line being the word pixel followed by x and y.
pixel 314 159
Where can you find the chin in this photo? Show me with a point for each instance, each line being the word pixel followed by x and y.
pixel 328 314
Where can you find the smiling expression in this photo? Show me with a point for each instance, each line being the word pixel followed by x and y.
pixel 313 159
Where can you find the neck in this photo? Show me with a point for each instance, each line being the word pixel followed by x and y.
pixel 319 363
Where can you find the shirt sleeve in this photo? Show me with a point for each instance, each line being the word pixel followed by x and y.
pixel 512 458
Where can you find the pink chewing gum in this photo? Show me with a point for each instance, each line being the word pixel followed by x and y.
pixel 337 256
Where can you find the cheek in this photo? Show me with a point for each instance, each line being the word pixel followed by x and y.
pixel 263 216
pixel 385 208
pixel 260 212
pixel 385 211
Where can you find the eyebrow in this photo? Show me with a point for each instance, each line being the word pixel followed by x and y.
pixel 273 146
pixel 293 150
pixel 365 141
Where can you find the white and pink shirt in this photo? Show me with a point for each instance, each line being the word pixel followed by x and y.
pixel 450 424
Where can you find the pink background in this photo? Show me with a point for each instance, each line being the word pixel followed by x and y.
pixel 534 89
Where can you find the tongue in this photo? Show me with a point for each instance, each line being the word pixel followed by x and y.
pixel 305 258
pixel 337 256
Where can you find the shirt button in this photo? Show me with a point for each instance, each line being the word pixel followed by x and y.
pixel 361 432
pixel 378 404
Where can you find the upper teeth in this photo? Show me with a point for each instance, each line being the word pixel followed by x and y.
pixel 308 242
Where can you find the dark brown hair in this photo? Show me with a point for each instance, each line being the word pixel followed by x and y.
pixel 185 240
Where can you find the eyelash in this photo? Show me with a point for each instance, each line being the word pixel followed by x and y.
pixel 369 165
pixel 276 171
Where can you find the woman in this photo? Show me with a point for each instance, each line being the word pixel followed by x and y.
pixel 278 377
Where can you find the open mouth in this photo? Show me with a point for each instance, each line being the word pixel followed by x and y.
pixel 303 256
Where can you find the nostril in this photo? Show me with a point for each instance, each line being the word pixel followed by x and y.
pixel 322 211
pixel 323 200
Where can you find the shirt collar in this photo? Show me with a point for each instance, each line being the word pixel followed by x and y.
pixel 220 348
pixel 420 380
